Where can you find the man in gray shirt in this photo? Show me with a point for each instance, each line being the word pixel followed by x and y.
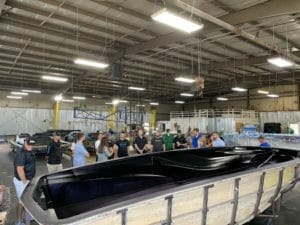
pixel 158 144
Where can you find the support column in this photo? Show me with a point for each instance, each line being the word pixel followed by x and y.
pixel 112 117
pixel 248 99
pixel 56 115
pixel 210 102
pixel 298 96
pixel 153 118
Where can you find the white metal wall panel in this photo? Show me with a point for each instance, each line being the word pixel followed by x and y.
pixel 285 118
pixel 21 120
pixel 18 120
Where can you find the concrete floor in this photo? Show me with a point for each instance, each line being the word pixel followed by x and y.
pixel 289 215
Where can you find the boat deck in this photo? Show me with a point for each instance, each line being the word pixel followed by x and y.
pixel 288 216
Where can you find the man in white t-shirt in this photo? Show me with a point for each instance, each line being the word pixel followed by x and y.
pixel 98 142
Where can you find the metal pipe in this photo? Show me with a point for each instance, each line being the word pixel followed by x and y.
pixel 232 28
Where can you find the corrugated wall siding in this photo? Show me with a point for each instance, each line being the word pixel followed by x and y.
pixel 22 120
pixel 283 117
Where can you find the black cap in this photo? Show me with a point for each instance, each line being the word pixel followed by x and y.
pixel 56 134
pixel 30 141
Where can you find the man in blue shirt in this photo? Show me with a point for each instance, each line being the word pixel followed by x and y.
pixel 195 138
pixel 216 140
pixel 263 142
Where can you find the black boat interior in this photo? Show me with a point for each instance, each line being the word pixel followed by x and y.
pixel 78 190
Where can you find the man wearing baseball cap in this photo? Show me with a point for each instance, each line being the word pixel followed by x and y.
pixel 54 154
pixel 24 171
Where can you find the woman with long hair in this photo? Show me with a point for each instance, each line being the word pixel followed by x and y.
pixel 80 152
pixel 103 152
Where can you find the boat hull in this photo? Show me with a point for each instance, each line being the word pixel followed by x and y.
pixel 234 198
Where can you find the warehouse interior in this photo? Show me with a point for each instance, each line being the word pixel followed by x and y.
pixel 195 69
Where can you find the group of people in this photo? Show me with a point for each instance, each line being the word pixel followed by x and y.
pixel 106 148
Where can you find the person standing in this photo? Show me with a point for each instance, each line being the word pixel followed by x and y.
pixel 180 141
pixel 103 152
pixel 263 142
pixel 168 139
pixel 140 142
pixel 80 153
pixel 216 140
pixel 195 138
pixel 122 146
pixel 24 171
pixel 54 154
pixel 98 142
pixel 157 143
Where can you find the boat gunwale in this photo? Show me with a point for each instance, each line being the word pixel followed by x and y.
pixel 43 216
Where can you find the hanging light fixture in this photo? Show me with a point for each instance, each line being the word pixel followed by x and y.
pixel 165 16
pixel 280 61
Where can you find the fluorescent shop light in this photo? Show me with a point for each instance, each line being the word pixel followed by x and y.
pixel 32 91
pixel 54 78
pixel 123 101
pixel 18 93
pixel 115 102
pixel 262 92
pixel 185 80
pixel 14 97
pixel 179 102
pixel 187 94
pixel 140 105
pixel 273 95
pixel 136 88
pixel 239 89
pixel 154 103
pixel 67 100
pixel 79 97
pixel 166 17
pixel 108 103
pixel 91 63
pixel 58 98
pixel 280 62
pixel 222 99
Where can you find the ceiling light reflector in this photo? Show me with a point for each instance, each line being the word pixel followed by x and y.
pixel 262 92
pixel 239 89
pixel 166 17
pixel 67 100
pixel 54 78
pixel 91 63
pixel 18 93
pixel 222 99
pixel 280 61
pixel 14 97
pixel 187 94
pixel 32 91
pixel 154 103
pixel 179 102
pixel 79 97
pixel 185 80
pixel 136 88
pixel 273 95
pixel 58 98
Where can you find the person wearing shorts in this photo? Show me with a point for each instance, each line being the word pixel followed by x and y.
pixel 24 171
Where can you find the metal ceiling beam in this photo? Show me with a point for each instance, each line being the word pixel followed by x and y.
pixel 264 10
pixel 98 16
pixel 267 9
pixel 2 5
pixel 255 60
pixel 242 33
pixel 53 31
